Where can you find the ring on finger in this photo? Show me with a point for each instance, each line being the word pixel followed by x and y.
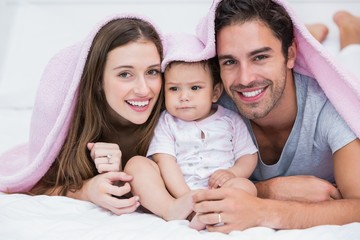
pixel 219 218
pixel 109 156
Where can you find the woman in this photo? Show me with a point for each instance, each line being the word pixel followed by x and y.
pixel 98 102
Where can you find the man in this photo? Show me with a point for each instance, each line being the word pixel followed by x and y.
pixel 305 146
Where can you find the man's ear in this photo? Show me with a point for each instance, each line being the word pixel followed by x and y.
pixel 218 89
pixel 292 52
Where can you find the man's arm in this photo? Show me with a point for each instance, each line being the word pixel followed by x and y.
pixel 298 188
pixel 240 210
pixel 313 189
pixel 347 170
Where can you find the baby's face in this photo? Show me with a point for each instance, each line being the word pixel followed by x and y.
pixel 189 91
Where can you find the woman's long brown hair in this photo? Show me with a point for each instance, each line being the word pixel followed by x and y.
pixel 90 118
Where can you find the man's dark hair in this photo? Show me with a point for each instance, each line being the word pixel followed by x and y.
pixel 230 12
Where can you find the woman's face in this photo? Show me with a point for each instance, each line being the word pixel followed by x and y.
pixel 132 80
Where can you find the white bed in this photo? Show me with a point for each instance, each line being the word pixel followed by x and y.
pixel 43 217
pixel 35 30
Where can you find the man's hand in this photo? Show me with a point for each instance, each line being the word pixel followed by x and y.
pixel 238 210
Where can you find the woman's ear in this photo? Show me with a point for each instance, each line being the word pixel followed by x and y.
pixel 292 52
pixel 218 89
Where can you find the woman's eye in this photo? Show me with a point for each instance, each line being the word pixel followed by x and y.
pixel 153 72
pixel 124 75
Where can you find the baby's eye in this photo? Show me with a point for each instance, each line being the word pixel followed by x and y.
pixel 173 89
pixel 195 88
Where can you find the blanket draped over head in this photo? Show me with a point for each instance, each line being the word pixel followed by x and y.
pixel 22 167
pixel 341 87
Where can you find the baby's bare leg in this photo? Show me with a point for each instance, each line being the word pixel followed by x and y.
pixel 148 184
pixel 349 28
pixel 243 184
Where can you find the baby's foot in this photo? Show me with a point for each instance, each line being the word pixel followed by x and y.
pixel 180 208
pixel 196 224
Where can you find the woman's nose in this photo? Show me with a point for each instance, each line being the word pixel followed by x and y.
pixel 141 88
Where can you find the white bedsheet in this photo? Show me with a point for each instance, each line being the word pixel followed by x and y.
pixel 44 217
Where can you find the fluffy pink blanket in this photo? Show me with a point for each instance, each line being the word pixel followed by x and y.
pixel 340 86
pixel 23 166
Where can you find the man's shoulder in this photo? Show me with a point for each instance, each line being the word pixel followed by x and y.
pixel 309 89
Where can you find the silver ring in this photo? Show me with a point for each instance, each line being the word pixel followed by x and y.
pixel 219 218
pixel 109 156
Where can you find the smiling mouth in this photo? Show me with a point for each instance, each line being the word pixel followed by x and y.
pixel 252 93
pixel 139 103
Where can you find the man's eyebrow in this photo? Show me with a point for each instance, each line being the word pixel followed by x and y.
pixel 222 57
pixel 252 53
pixel 260 50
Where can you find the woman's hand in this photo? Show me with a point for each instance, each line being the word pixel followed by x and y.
pixel 101 191
pixel 107 156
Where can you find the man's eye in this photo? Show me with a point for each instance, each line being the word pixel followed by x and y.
pixel 260 57
pixel 195 88
pixel 229 62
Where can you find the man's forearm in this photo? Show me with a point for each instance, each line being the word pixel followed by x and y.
pixel 300 215
pixel 297 188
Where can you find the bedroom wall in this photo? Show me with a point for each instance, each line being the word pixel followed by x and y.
pixel 31 31
pixel 35 30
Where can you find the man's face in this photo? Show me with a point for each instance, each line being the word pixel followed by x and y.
pixel 253 68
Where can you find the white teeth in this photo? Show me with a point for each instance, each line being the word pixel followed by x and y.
pixel 253 93
pixel 139 104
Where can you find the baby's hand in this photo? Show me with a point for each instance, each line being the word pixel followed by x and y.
pixel 107 156
pixel 219 177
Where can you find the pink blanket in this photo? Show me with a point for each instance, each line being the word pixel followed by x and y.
pixel 23 166
pixel 341 87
